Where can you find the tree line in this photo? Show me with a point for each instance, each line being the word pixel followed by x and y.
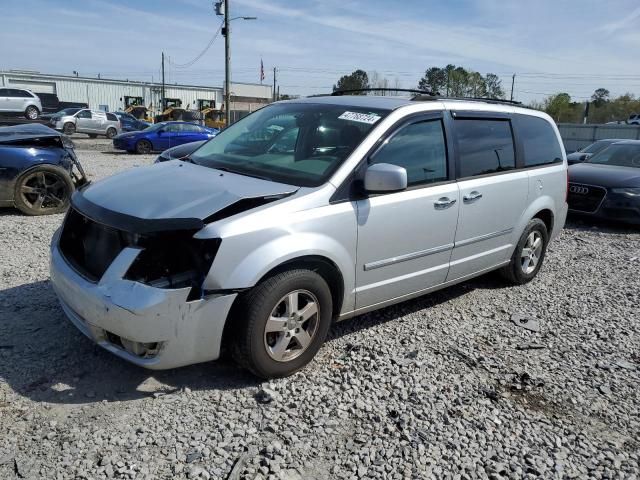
pixel 602 107
pixel 456 81
pixel 452 81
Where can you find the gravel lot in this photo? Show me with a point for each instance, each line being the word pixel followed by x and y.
pixel 451 385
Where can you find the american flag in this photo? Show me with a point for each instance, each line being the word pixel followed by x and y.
pixel 261 71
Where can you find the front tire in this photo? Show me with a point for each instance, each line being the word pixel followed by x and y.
pixel 143 147
pixel 111 132
pixel 69 128
pixel 31 113
pixel 283 322
pixel 44 190
pixel 528 255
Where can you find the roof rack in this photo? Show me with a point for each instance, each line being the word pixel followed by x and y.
pixel 421 98
pixel 338 93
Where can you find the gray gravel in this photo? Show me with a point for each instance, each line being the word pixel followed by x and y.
pixel 477 381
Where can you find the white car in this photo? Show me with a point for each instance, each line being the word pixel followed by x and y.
pixel 18 100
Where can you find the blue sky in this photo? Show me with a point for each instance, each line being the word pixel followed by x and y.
pixel 561 45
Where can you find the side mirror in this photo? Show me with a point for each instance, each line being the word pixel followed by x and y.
pixel 583 157
pixel 384 177
pixel 160 130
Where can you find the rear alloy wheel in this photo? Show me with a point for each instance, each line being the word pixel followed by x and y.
pixel 282 323
pixel 111 132
pixel 528 255
pixel 31 113
pixel 143 147
pixel 69 128
pixel 44 190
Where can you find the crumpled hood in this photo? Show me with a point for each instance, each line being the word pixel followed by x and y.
pixel 604 175
pixel 177 189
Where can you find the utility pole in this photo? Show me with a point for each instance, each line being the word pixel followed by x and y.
pixel 513 82
pixel 162 91
pixel 274 84
pixel 227 65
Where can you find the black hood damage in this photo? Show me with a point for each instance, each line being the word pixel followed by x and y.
pixel 174 196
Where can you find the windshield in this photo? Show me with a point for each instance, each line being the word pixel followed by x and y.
pixel 619 155
pixel 596 147
pixel 68 111
pixel 295 143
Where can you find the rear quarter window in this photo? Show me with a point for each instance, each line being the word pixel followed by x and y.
pixel 539 141
pixel 112 117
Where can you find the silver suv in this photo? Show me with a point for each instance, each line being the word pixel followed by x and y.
pixel 18 100
pixel 303 213
pixel 83 120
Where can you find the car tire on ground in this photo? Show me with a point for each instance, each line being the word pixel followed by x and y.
pixel 111 132
pixel 528 255
pixel 43 190
pixel 143 147
pixel 69 128
pixel 282 323
pixel 31 113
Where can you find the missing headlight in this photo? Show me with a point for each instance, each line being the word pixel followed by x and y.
pixel 174 260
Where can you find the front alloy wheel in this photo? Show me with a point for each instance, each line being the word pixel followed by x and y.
pixel 281 323
pixel 292 325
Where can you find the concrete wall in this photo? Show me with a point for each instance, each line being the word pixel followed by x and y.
pixel 576 136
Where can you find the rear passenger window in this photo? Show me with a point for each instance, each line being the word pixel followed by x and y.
pixel 539 140
pixel 484 146
pixel 112 117
pixel 420 149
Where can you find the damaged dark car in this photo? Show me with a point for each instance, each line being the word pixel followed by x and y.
pixel 39 170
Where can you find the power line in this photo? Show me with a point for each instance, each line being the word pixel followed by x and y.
pixel 201 54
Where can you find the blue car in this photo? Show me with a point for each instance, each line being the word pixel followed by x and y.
pixel 161 136
pixel 38 169
pixel 130 123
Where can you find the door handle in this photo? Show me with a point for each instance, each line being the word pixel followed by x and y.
pixel 472 197
pixel 443 202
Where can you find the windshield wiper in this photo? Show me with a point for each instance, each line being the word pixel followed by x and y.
pixel 229 170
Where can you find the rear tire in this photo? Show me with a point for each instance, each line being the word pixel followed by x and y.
pixel 528 255
pixel 282 323
pixel 43 190
pixel 69 128
pixel 143 147
pixel 111 132
pixel 31 113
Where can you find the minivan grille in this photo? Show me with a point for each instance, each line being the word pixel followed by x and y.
pixel 585 198
pixel 88 246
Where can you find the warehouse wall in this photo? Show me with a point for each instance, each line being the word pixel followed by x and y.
pixel 111 93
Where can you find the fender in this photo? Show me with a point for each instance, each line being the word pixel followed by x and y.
pixel 543 202
pixel 283 249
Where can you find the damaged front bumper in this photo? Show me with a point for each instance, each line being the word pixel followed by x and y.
pixel 151 327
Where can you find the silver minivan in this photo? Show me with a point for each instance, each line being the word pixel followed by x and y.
pixel 304 213
pixel 83 120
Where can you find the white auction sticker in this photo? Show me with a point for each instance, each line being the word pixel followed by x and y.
pixel 369 118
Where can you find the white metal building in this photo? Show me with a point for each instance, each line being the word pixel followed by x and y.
pixel 109 94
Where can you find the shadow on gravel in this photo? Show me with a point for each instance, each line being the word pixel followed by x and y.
pixel 584 224
pixel 11 212
pixel 490 281
pixel 120 152
pixel 44 358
